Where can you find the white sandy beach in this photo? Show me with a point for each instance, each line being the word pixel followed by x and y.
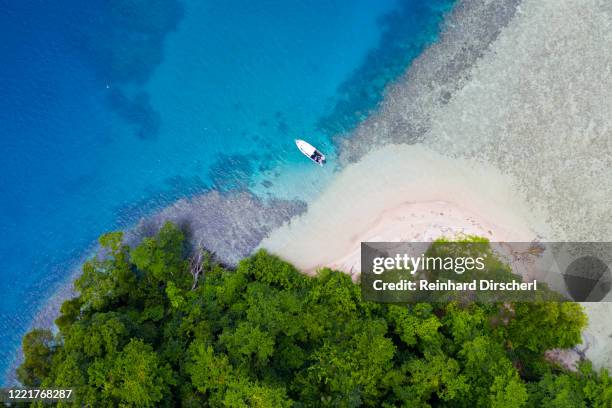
pixel 403 193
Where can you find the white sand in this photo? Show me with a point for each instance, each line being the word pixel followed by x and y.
pixel 403 193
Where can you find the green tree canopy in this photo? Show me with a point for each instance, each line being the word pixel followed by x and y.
pixel 142 333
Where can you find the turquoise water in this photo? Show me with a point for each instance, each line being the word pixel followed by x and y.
pixel 113 109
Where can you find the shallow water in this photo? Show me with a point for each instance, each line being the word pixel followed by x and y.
pixel 110 113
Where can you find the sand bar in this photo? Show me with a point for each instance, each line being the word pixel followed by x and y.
pixel 403 193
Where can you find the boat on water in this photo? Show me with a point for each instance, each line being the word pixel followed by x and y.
pixel 310 151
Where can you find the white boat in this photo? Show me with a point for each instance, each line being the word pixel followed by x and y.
pixel 310 151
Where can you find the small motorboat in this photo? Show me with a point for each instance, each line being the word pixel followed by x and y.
pixel 310 151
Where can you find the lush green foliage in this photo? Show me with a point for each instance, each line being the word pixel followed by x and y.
pixel 142 334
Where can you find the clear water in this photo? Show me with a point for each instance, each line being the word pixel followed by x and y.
pixel 109 112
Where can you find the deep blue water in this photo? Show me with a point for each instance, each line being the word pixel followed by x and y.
pixel 111 109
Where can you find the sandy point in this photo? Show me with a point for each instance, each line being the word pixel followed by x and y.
pixel 404 193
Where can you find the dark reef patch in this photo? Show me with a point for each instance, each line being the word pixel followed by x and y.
pixel 123 41
pixel 137 111
pixel 406 31
pixel 230 225
pixel 125 38
pixel 228 174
